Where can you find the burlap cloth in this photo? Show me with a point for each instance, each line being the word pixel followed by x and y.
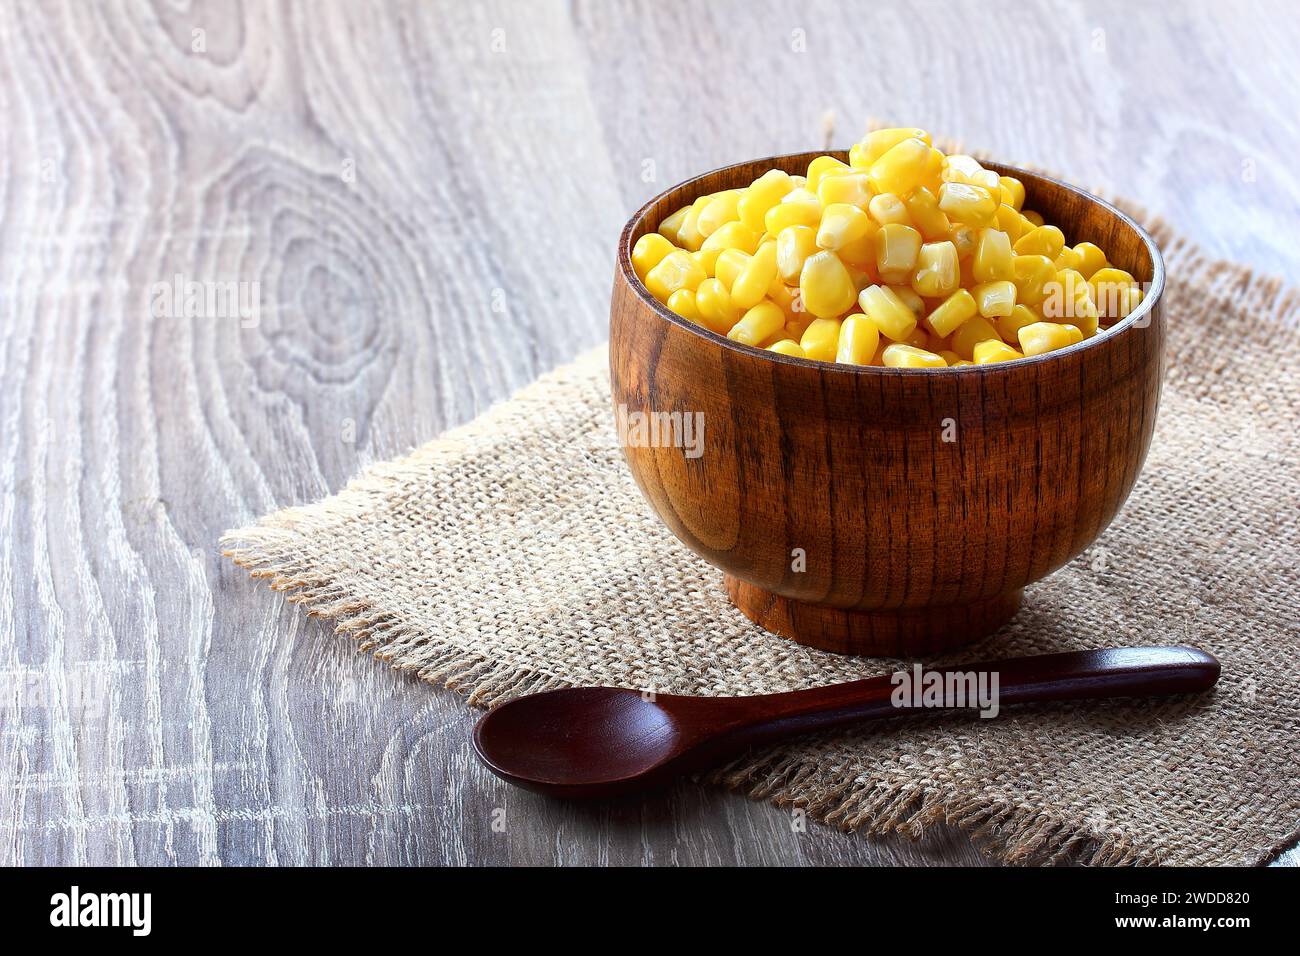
pixel 515 554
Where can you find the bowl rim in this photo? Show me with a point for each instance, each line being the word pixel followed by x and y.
pixel 1127 324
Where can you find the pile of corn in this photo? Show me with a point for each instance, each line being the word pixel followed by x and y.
pixel 904 257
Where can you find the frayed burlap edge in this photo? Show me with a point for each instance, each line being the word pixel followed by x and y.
pixel 272 549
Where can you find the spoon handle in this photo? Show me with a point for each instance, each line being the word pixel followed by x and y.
pixel 1077 675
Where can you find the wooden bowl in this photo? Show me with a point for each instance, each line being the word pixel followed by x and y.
pixel 889 511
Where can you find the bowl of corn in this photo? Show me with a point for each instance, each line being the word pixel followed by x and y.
pixel 910 395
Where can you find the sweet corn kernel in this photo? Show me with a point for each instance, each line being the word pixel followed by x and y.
pixel 787 347
pixel 949 315
pixel 899 355
pixel 858 340
pixel 683 303
pixel 688 235
pixel 799 208
pixel 1033 217
pixel 1011 222
pixel 1108 292
pixel 1047 337
pixel 734 235
pixel 794 245
pixel 937 270
pixel 897 248
pixel 1031 275
pixel 841 224
pixel 994 350
pixel 900 169
pixel 965 238
pixel 673 222
pixel 909 298
pixel 969 204
pixel 763 193
pixel 860 254
pixel 708 260
pixel 751 285
pixel 1068 259
pixel 952 358
pixel 1091 258
pixel 720 209
pixel 888 208
pixel 995 298
pixel 730 264
pixel 1041 241
pixel 648 252
pixel 992 256
pixel 822 166
pixel 821 339
pixel 713 302
pixel 972 332
pixel 1009 326
pixel 826 286
pixel 852 188
pixel 927 217
pixel 1013 191
pixel 878 142
pixel 889 313
pixel 677 270
pixel 758 324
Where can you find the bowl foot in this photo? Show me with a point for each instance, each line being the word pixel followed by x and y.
pixel 904 632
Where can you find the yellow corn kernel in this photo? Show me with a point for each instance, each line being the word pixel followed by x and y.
pixel 969 204
pixel 1041 241
pixel 821 340
pixel 966 169
pixel 688 235
pixel 1009 326
pixel 952 358
pixel 785 296
pixel 730 264
pixel 1031 275
pixel 763 193
pixel 851 188
pixel 677 270
pixel 880 141
pixel 995 298
pixel 890 314
pixel 972 332
pixel 1011 222
pixel 719 210
pixel 932 178
pixel 734 235
pixel 897 248
pixel 758 324
pixel 825 285
pixel 751 285
pixel 1034 217
pixel 794 244
pixel 1047 337
pixel 951 313
pixel 708 260
pixel 1013 191
pixel 965 238
pixel 938 270
pixel 927 217
pixel 671 223
pixel 919 339
pixel 842 224
pixel 683 303
pixel 994 350
pixel 822 166
pixel 1110 276
pixel 860 254
pixel 796 327
pixel 1068 259
pixel 992 256
pixel 799 208
pixel 648 251
pixel 899 170
pixel 888 208
pixel 1091 258
pixel 713 302
pixel 787 347
pixel 899 355
pixel 909 299
pixel 858 340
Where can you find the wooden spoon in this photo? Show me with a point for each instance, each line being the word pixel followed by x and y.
pixel 601 741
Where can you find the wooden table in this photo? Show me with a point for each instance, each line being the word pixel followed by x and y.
pixel 427 196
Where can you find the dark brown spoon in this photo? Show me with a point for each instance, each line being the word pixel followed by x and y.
pixel 601 741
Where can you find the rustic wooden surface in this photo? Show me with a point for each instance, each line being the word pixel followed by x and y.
pixel 429 196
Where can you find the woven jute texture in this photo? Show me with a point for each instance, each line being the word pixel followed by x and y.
pixel 515 554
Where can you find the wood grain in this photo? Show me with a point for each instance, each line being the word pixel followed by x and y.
pixel 429 195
